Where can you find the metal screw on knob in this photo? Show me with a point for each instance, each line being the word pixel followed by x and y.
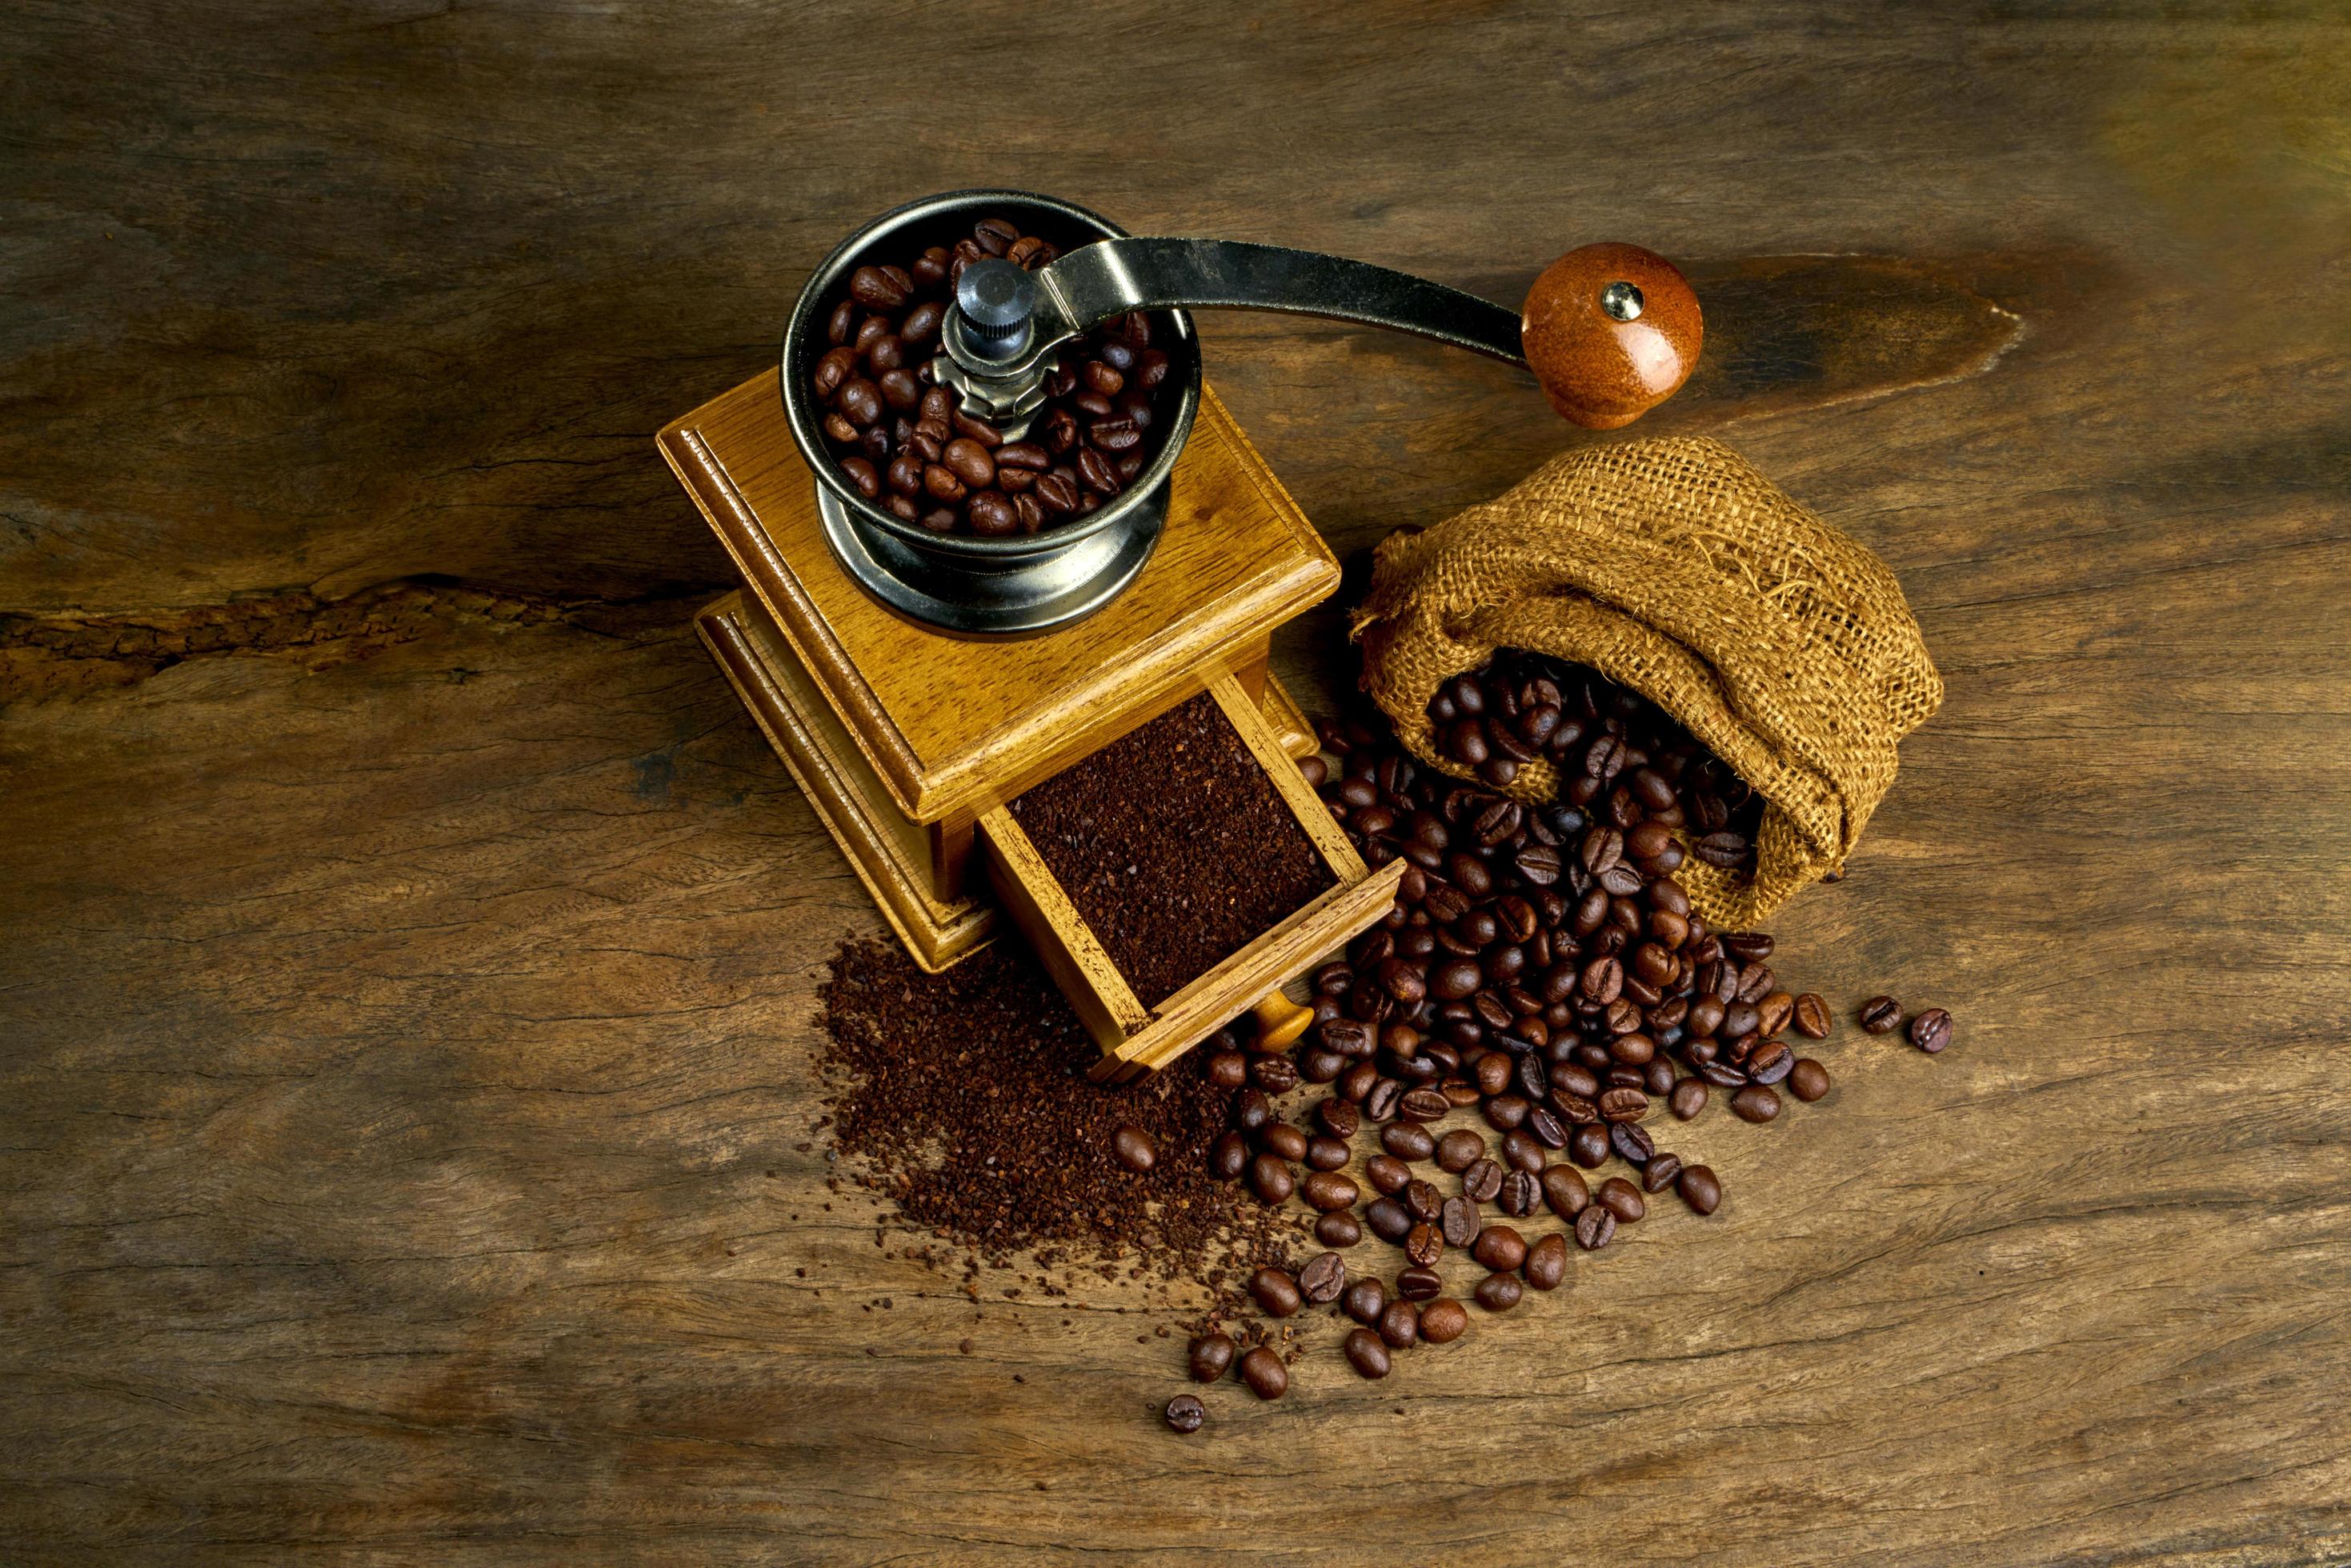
pixel 998 300
pixel 1621 301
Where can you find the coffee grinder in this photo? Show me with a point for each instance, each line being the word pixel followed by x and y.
pixel 916 683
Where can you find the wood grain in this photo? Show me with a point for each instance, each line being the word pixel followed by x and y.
pixel 406 1110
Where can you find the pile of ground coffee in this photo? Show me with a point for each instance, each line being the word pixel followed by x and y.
pixel 962 1099
pixel 1174 846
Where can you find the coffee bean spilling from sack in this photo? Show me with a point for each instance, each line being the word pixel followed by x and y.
pixel 1540 965
pixel 905 445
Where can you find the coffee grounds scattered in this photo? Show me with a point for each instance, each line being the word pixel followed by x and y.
pixel 1174 846
pixel 962 1099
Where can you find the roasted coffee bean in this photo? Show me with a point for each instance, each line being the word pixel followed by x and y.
pixel 1211 1357
pixel 1270 1179
pixel 877 289
pixel 1569 1080
pixel 1276 1294
pixel 1500 1246
pixel 1390 1221
pixel 1418 1285
pixel 1133 1148
pixel 1623 1106
pixel 1658 1078
pixel 1252 1112
pixel 1546 1264
pixel 1407 1140
pixel 1522 1151
pixel 1338 1229
pixel 1387 1174
pixel 1506 1113
pixel 1228 1158
pixel 1425 1245
pixel 1365 1300
pixel 1808 1080
pixel 1499 1293
pixel 1443 1321
pixel 1632 1145
pixel 1755 1104
pixel 1338 1118
pixel 1357 1083
pixel 1262 1370
pixel 1698 1187
pixel 1775 1011
pixel 1594 1228
pixel 1768 1063
pixel 1723 1075
pixel 1184 1413
pixel 1588 1147
pixel 1931 1030
pixel 1622 1198
pixel 1399 1325
pixel 1422 1202
pixel 1423 1105
pixel 1564 1190
pixel 1274 1075
pixel 1460 1149
pixel 1521 1192
pixel 1494 1072
pixel 1481 1180
pixel 1324 1153
pixel 1546 1129
pixel 1284 1141
pixel 1366 1353
pixel 1381 1103
pixel 1881 1015
pixel 1322 1278
pixel 1811 1016
pixel 1327 1191
pixel 1460 1223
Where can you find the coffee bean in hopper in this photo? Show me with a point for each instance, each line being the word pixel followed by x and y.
pixel 1134 1148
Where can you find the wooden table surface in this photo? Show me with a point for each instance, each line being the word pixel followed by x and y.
pixel 407 947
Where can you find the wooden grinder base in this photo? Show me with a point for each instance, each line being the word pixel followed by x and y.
pixel 909 742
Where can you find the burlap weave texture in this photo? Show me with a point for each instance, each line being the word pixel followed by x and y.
pixel 1673 568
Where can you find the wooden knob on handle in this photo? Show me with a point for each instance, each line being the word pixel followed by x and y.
pixel 1611 330
pixel 1280 1022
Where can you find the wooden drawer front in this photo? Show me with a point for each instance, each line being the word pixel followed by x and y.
pixel 1133 1038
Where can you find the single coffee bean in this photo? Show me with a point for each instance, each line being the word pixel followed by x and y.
pixel 1338 1118
pixel 1499 1293
pixel 1622 1198
pixel 1443 1321
pixel 1660 1173
pixel 1228 1069
pixel 1505 1113
pixel 1588 1147
pixel 1276 1292
pixel 1723 1075
pixel 1366 1353
pixel 1460 1223
pixel 1698 1187
pixel 1482 1180
pixel 1387 1174
pixel 1272 1181
pixel 1399 1325
pixel 1931 1030
pixel 1407 1140
pixel 1324 1277
pixel 1500 1246
pixel 1267 1377
pixel 1459 1150
pixel 1811 1016
pixel 1808 1080
pixel 1633 1145
pixel 1134 1148
pixel 1186 1413
pixel 1389 1219
pixel 1564 1191
pixel 1328 1190
pixel 1755 1104
pixel 1522 1190
pixel 1425 1245
pixel 1623 1104
pixel 1523 1153
pixel 1881 1015
pixel 1594 1228
pixel 1338 1229
pixel 1365 1300
pixel 1325 1153
pixel 1284 1141
pixel 1210 1355
pixel 1419 1284
pixel 1380 1105
pixel 1769 1062
pixel 1228 1158
pixel 1274 1075
pixel 1424 1105
pixel 1546 1263
pixel 1422 1202
pixel 1252 1112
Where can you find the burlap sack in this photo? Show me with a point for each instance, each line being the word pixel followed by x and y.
pixel 1673 568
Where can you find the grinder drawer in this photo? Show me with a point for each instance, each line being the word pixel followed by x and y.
pixel 1190 858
